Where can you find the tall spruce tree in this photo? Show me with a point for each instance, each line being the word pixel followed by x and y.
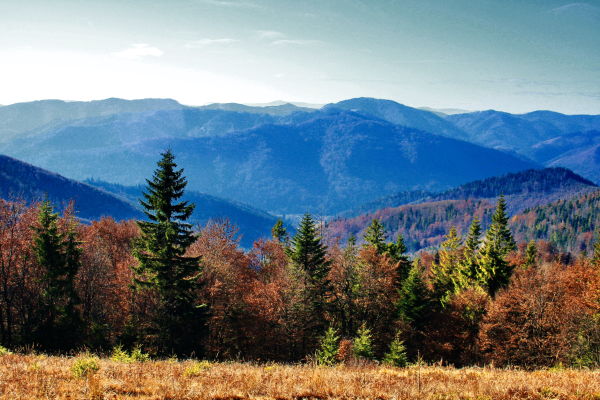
pixel 495 271
pixel 375 236
pixel 163 265
pixel 279 232
pixel 448 275
pixel 397 251
pixel 415 299
pixel 58 254
pixel 531 254
pixel 471 250
pixel 308 256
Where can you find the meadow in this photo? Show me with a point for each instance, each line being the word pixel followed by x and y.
pixel 89 377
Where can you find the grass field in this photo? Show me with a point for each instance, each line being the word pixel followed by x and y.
pixel 42 377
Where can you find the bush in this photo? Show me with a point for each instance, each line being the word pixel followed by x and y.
pixel 326 355
pixel 4 351
pixel 197 368
pixel 363 344
pixel 397 354
pixel 84 366
pixel 136 355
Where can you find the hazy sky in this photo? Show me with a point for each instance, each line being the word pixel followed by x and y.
pixel 473 54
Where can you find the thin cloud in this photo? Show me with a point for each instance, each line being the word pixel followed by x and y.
pixel 138 51
pixel 270 34
pixel 584 9
pixel 230 3
pixel 296 42
pixel 197 44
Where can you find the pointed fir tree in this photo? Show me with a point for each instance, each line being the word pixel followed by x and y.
pixel 163 266
pixel 397 251
pixel 327 352
pixel 396 356
pixel 308 256
pixel 308 253
pixel 531 254
pixel 471 250
pixel 415 300
pixel 495 271
pixel 279 232
pixel 58 255
pixel 448 275
pixel 362 345
pixel 375 236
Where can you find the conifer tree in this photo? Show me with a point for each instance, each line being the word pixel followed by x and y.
pixel 375 236
pixel 531 254
pixel 308 256
pixel 448 276
pixel 362 346
pixel 308 253
pixel 58 255
pixel 279 232
pixel 396 356
pixel 415 299
pixel 495 271
pixel 163 266
pixel 327 352
pixel 397 252
pixel 596 254
pixel 471 251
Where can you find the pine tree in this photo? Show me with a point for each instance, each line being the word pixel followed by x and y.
pixel 308 253
pixel 495 270
pixel 58 255
pixel 308 256
pixel 415 299
pixel 531 254
pixel 279 232
pixel 362 345
pixel 448 276
pixel 328 347
pixel 397 251
pixel 396 356
pixel 163 266
pixel 375 236
pixel 471 251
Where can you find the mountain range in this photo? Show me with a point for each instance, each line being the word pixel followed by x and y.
pixel 92 200
pixel 426 220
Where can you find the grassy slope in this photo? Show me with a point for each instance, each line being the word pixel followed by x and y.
pixel 41 377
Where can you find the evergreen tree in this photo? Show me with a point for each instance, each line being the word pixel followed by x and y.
pixel 415 300
pixel 163 266
pixel 328 347
pixel 362 346
pixel 58 255
pixel 396 356
pixel 375 236
pixel 279 232
pixel 397 251
pixel 308 253
pixel 495 270
pixel 308 256
pixel 471 251
pixel 531 254
pixel 448 275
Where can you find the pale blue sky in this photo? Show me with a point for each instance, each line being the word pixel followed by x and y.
pixel 513 55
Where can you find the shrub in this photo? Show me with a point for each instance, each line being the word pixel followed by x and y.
pixel 363 344
pixel 4 351
pixel 84 366
pixel 397 354
pixel 327 352
pixel 136 355
pixel 197 368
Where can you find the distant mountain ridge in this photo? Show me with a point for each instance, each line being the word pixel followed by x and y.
pixel 424 222
pixel 93 200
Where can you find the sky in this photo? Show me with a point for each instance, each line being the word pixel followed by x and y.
pixel 510 55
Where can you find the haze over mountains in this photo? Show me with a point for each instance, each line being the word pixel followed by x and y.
pixel 290 159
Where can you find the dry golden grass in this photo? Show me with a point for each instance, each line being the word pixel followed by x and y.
pixel 41 377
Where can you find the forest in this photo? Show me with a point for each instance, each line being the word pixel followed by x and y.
pixel 160 288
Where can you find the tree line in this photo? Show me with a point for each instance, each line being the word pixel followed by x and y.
pixel 161 287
